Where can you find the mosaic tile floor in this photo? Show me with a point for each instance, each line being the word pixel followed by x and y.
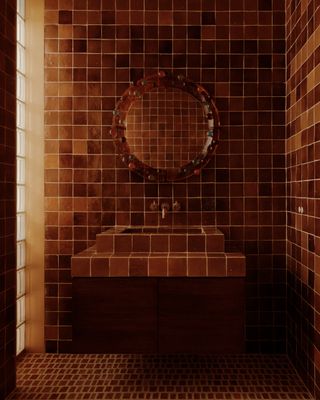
pixel 67 376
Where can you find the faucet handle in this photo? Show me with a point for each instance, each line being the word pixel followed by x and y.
pixel 154 206
pixel 176 206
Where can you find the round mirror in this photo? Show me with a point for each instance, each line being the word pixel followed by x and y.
pixel 166 128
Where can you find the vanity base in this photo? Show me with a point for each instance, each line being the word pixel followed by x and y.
pixel 158 315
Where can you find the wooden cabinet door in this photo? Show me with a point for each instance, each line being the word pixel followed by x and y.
pixel 114 315
pixel 201 315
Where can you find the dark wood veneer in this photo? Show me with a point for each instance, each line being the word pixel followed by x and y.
pixel 114 315
pixel 201 315
pixel 151 315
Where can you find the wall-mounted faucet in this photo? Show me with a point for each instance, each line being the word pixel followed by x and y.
pixel 165 207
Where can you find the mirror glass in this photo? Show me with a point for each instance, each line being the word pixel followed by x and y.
pixel 166 128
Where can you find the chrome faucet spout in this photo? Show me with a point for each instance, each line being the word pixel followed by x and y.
pixel 164 209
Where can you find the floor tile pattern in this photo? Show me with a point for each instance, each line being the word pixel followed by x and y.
pixel 74 376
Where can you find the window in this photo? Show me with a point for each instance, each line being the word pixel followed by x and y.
pixel 21 153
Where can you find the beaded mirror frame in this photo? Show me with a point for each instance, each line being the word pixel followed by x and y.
pixel 165 80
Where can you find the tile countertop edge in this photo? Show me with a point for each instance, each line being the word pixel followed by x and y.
pixel 220 265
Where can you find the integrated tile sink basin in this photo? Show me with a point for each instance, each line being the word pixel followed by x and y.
pixel 161 239
pixel 163 229
pixel 159 251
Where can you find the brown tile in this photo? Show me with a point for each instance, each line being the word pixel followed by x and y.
pixel 138 266
pixel 197 266
pixel 217 266
pixel 105 242
pixel 122 243
pixel 119 266
pixel 158 266
pixel 100 266
pixel 236 265
pixel 141 243
pixel 177 266
pixel 159 243
pixel 196 243
pixel 65 17
pixel 80 266
pixel 214 243
pixel 178 243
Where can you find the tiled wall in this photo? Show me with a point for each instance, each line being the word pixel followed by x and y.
pixel 303 159
pixel 7 196
pixel 93 49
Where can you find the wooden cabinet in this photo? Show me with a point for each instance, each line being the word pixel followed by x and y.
pixel 158 315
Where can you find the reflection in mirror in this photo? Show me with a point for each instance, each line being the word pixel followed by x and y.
pixel 166 128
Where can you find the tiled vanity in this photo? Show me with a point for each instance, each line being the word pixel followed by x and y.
pixel 167 290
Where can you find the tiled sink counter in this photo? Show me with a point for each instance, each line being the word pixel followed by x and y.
pixel 89 263
pixel 158 290
pixel 159 252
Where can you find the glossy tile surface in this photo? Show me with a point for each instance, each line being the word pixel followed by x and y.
pixel 66 376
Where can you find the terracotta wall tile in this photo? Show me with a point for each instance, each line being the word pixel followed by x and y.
pixel 302 20
pixel 236 51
